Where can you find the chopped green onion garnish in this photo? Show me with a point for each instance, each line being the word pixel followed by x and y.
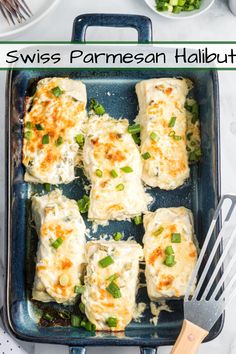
pixel 153 136
pixel 89 326
pixel 105 262
pixel 83 204
pixel 75 321
pixel 80 139
pixel 113 174
pixel 99 173
pixel 47 316
pixel 59 141
pixel 169 250
pixel 177 137
pixel 114 290
pixel 83 323
pixel 117 236
pixel 45 139
pixel 138 219
pixel 82 307
pixel 29 125
pixel 47 186
pixel 172 122
pixel 146 156
pixel 28 135
pixel 57 243
pixel 39 126
pixel 79 289
pixel 136 138
pixel 57 91
pixel 97 107
pixel 113 277
pixel 158 231
pixel 175 238
pixel 64 314
pixel 111 322
pixel 120 187
pixel 134 129
pixel 172 133
pixel 127 169
pixel 170 260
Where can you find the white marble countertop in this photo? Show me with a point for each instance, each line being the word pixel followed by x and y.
pixel 217 24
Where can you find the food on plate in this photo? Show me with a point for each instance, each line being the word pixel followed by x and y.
pixel 170 252
pixel 163 121
pixel 61 248
pixel 53 130
pixel 113 164
pixel 177 6
pixel 111 283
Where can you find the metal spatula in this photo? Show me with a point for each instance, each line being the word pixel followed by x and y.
pixel 215 288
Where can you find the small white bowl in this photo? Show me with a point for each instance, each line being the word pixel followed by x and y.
pixel 205 5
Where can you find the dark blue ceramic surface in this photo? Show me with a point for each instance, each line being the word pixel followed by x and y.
pixel 115 90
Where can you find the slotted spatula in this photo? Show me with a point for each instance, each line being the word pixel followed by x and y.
pixel 215 287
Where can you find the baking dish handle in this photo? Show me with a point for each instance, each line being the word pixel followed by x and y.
pixel 142 24
pixel 148 350
pixel 77 350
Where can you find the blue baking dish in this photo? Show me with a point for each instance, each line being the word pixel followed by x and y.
pixel 115 90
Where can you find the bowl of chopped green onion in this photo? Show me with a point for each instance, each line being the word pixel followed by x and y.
pixel 179 9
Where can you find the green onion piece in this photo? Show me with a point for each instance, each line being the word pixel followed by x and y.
pixel 57 91
pixel 59 141
pixel 177 137
pixel 75 321
pixel 105 262
pixel 45 139
pixel 153 136
pixel 83 323
pixel 172 122
pixel 170 260
pixel 28 135
pixel 146 155
pixel 64 314
pixel 114 290
pixel 138 219
pixel 99 173
pixel 136 138
pixel 120 187
pixel 79 289
pixel 82 307
pixel 158 231
pixel 134 129
pixel 90 326
pixel 127 169
pixel 169 250
pixel 113 277
pixel 175 238
pixel 57 243
pixel 113 174
pixel 99 109
pixel 189 135
pixel 29 125
pixel 172 133
pixel 47 187
pixel 47 316
pixel 83 204
pixel 80 140
pixel 111 322
pixel 117 236
pixel 39 126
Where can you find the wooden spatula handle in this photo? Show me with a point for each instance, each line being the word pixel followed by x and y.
pixel 189 339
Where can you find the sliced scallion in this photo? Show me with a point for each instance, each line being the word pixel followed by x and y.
pixel 172 122
pixel 170 260
pixel 114 290
pixel 45 139
pixel 59 141
pixel 56 244
pixel 113 174
pixel 111 322
pixel 82 307
pixel 79 289
pixel 134 129
pixel 98 173
pixel 57 91
pixel 138 219
pixel 176 237
pixel 80 140
pixel 39 126
pixel 75 321
pixel 83 204
pixel 146 155
pixel 117 236
pixel 105 262
pixel 127 169
pixel 169 250
pixel 120 187
pixel 158 231
pixel 113 277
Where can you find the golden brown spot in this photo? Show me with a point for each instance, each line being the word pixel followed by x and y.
pixel 158 252
pixel 66 264
pixel 165 283
pixel 168 91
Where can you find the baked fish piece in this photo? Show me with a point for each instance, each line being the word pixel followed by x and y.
pixel 162 117
pixel 170 252
pixel 61 248
pixel 113 164
pixel 54 116
pixel 111 283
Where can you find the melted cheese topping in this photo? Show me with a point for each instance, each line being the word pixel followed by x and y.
pixel 58 270
pixel 161 100
pixel 99 303
pixel 164 281
pixel 108 148
pixel 58 116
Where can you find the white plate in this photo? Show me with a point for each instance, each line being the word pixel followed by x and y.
pixel 206 4
pixel 39 8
